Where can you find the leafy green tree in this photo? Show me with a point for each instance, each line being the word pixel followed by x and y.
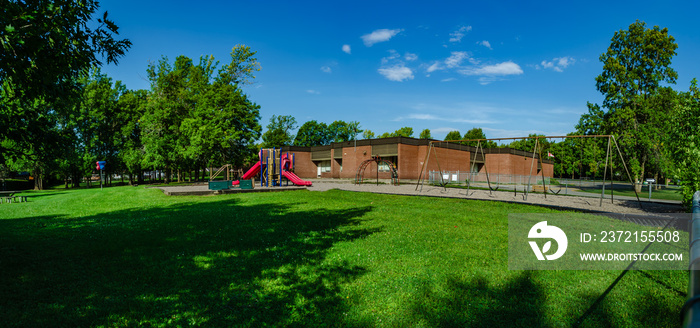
pixel 634 66
pixel 368 134
pixel 405 131
pixel 478 133
pixel 98 121
pixel 684 142
pixel 132 106
pixel 312 133
pixel 48 44
pixel 279 131
pixel 46 47
pixel 385 135
pixel 354 129
pixel 425 134
pixel 196 116
pixel 168 106
pixel 339 131
pixel 453 135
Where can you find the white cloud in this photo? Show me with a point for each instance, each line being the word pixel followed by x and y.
pixel 380 35
pixel 456 59
pixel 457 35
pixel 398 73
pixel 313 92
pixel 326 69
pixel 410 57
pixel 485 44
pixel 501 69
pixel 450 79
pixel 436 66
pixel 557 64
pixel 346 49
pixel 393 56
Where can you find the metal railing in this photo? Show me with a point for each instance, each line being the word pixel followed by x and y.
pixel 691 309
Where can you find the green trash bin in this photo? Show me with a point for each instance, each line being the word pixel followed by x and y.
pixel 220 185
pixel 246 184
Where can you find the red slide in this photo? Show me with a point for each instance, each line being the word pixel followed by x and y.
pixel 252 172
pixel 295 179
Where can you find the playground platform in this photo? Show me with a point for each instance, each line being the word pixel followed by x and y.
pixel 203 190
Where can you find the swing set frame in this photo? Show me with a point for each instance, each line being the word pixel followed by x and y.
pixel 537 150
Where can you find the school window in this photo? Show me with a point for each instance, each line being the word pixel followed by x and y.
pixel 384 167
pixel 324 166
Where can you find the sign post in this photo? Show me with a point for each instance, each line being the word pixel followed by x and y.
pixel 101 168
pixel 649 182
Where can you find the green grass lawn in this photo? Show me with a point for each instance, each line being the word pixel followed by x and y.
pixel 129 256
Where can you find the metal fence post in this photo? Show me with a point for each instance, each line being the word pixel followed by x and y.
pixel 691 310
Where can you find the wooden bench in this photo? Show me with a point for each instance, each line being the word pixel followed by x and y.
pixel 539 188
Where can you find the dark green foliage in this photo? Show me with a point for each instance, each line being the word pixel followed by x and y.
pixel 478 133
pixel 637 108
pixel 425 134
pixel 313 133
pixel 48 44
pixel 684 142
pixel 405 131
pixel 453 135
pixel 279 131
pixel 195 116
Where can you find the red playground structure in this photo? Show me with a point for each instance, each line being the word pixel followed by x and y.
pixel 273 165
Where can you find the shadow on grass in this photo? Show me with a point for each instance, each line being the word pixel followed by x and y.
pixel 523 301
pixel 208 264
pixel 474 303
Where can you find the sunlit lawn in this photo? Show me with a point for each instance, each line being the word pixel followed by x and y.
pixel 129 256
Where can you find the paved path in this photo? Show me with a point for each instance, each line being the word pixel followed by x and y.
pixel 627 205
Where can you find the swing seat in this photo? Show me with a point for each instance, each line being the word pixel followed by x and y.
pixel 538 188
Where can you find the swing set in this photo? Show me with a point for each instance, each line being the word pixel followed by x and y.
pixel 536 155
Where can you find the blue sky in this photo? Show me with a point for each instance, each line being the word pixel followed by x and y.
pixel 511 68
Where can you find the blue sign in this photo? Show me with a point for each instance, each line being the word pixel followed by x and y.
pixel 101 164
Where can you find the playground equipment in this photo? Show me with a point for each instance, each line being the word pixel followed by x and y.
pixel 536 157
pixel 376 159
pixel 273 165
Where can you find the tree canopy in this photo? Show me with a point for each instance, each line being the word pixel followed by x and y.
pixel 279 131
pixel 634 110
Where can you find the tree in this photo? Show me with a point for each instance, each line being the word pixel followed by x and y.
pixel 98 121
pixel 279 131
pixel 196 116
pixel 453 135
pixel 425 134
pixel 405 131
pixel 169 106
pixel 312 133
pixel 368 134
pixel 354 129
pixel 47 46
pixel 684 142
pixel 132 105
pixel 636 63
pixel 478 133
